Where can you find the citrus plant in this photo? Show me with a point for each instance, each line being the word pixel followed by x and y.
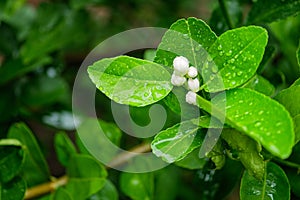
pixel 229 88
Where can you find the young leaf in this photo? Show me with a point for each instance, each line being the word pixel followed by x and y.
pixel 256 115
pixel 64 148
pixel 274 185
pixel 131 81
pixel 137 186
pixel 271 11
pixel 236 55
pixel 260 84
pixel 176 142
pixel 35 169
pixel 190 38
pixel 11 159
pixel 13 190
pixel 246 150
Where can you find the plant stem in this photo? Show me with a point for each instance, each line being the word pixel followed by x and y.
pixel 48 187
pixel 225 12
pixel 287 163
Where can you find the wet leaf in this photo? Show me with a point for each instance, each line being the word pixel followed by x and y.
pixel 294 179
pixel 256 115
pixel 128 80
pixel 176 142
pixel 274 185
pixel 137 186
pixel 190 38
pixel 270 11
pixel 234 58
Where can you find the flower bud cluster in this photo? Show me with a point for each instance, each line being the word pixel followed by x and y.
pixel 184 73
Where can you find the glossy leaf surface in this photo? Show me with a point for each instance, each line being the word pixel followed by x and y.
pixel 128 80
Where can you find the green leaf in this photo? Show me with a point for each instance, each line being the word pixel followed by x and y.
pixel 35 169
pixel 219 23
pixel 290 98
pixel 268 56
pixel 64 148
pixel 190 38
pixel 137 186
pixel 87 176
pixel 110 130
pixel 11 159
pixel 108 192
pixel 127 80
pixel 294 179
pixel 192 161
pixel 44 90
pixel 15 68
pixel 82 188
pixel 84 166
pixel 270 11
pixel 260 84
pixel 256 115
pixel 246 150
pixel 176 142
pixel 13 190
pixel 149 54
pixel 61 193
pixel 274 185
pixel 298 54
pixel 236 55
pixel 297 128
pixel 297 82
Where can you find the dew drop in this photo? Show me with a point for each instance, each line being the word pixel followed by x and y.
pixel 227 74
pixel 233 83
pixel 239 73
pixel 261 112
pixel 241 101
pixel 232 60
pixel 257 124
pixel 186 36
pixel 198 48
pixel 220 47
pixel 229 53
pixel 278 124
pixel 251 103
pixel 209 58
pixel 214 69
pixel 221 53
pixel 233 67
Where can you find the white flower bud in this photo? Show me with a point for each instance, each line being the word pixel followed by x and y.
pixel 177 80
pixel 193 84
pixel 181 65
pixel 190 98
pixel 192 72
